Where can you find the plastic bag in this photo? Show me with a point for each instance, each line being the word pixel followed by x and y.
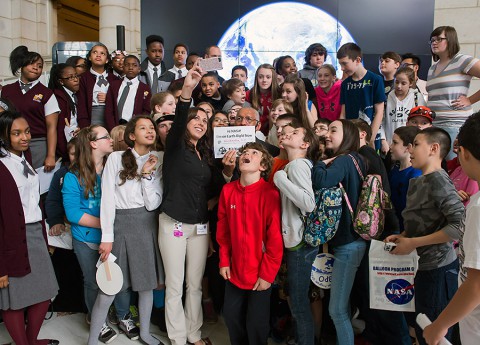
pixel 391 279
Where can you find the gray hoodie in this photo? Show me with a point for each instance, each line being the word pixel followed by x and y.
pixel 296 191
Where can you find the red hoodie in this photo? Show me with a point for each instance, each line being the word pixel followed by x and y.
pixel 249 232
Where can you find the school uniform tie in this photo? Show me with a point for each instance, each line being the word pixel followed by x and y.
pixel 25 87
pixel 155 80
pixel 102 81
pixel 179 74
pixel 123 98
pixel 26 169
pixel 75 102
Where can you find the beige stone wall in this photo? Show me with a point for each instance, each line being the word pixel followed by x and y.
pixel 120 12
pixel 25 22
pixel 464 16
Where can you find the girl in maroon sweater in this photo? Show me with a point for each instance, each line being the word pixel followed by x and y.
pixel 36 103
pixel 65 82
pixel 27 279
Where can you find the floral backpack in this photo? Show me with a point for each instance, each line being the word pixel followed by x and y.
pixel 369 217
pixel 321 224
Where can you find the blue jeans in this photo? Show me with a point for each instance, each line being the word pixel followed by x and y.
pixel 299 268
pixel 347 260
pixel 87 259
pixel 433 291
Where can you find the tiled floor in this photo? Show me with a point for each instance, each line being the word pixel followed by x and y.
pixel 72 330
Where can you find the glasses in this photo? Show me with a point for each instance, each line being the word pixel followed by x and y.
pixel 436 40
pixel 108 137
pixel 320 128
pixel 221 121
pixel 72 77
pixel 406 64
pixel 247 119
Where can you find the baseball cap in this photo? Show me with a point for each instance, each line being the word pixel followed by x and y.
pixel 421 110
pixel 159 118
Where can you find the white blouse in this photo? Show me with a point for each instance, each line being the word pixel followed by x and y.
pixel 28 187
pixel 132 194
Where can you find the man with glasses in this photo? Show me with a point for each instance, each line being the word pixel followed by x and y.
pixel 251 117
pixel 413 61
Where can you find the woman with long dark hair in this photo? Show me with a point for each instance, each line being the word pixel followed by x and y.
pixel 342 144
pixel 183 224
pixel 27 278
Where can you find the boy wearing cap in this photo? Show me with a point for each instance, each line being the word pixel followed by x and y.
pixel 421 117
pixel 164 123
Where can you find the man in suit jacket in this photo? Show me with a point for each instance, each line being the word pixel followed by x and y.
pixel 153 70
pixel 128 97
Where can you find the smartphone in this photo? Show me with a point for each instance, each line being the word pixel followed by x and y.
pixel 211 64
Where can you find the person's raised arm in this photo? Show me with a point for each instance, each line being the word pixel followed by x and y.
pixel 179 125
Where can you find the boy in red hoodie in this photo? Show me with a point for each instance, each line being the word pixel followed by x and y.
pixel 251 247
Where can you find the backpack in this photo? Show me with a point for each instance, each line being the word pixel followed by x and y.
pixel 373 201
pixel 321 224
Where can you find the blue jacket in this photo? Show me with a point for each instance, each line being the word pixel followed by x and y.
pixel 76 205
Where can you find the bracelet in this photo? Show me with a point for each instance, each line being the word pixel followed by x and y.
pixel 147 172
pixel 185 99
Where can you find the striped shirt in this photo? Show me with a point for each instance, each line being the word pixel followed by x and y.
pixel 447 86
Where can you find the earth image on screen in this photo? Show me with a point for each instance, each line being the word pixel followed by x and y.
pixel 276 29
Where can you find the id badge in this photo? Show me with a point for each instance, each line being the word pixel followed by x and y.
pixel 202 229
pixel 177 229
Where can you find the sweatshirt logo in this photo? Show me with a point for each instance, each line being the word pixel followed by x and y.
pixel 38 97
pixel 232 207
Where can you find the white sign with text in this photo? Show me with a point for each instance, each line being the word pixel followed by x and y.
pixel 228 138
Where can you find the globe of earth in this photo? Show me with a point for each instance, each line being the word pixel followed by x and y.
pixel 285 28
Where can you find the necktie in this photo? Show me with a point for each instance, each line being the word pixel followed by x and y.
pixel 101 81
pixel 155 80
pixel 179 74
pixel 75 102
pixel 25 87
pixel 26 169
pixel 123 98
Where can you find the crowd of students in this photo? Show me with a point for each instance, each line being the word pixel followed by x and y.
pixel 139 182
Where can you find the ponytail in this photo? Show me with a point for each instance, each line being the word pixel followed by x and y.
pixel 21 57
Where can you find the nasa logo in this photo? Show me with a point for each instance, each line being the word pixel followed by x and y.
pixel 399 291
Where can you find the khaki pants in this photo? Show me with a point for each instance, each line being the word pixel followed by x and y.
pixel 179 253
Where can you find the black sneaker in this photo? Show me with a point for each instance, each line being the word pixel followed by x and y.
pixel 127 326
pixel 112 315
pixel 107 334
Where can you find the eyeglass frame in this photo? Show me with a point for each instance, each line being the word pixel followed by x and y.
pixel 248 119
pixel 436 40
pixel 215 119
pixel 107 136
pixel 72 77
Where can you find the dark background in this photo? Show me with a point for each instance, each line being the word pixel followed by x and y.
pixel 376 25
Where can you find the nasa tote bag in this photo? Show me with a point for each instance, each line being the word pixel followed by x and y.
pixel 391 278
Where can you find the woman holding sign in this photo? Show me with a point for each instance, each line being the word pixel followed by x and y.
pixel 183 224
